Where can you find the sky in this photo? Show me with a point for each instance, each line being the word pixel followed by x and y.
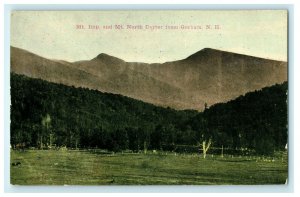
pixel 158 36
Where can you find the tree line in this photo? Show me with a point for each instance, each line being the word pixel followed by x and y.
pixel 45 114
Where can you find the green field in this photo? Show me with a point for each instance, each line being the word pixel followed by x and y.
pixel 70 167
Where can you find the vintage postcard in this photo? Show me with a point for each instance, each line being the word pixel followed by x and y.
pixel 156 97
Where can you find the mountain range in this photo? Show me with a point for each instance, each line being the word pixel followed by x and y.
pixel 208 76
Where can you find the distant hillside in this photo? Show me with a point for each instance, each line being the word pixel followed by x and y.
pixel 49 113
pixel 208 76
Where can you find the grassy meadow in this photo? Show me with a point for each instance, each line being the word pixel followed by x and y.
pixel 74 167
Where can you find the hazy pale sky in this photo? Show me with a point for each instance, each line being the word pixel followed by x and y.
pixel 55 34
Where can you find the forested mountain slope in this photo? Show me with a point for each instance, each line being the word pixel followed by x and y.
pixel 44 114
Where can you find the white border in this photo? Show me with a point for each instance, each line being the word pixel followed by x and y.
pixel 5 76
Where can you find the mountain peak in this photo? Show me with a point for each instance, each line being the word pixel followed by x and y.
pixel 208 49
pixel 107 58
pixel 204 52
pixel 103 55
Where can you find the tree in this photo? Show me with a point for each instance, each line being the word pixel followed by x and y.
pixel 46 122
pixel 156 137
pixel 205 146
pixel 205 106
pixel 147 129
pixel 206 137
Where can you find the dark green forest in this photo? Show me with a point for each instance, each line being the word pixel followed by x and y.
pixel 45 115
